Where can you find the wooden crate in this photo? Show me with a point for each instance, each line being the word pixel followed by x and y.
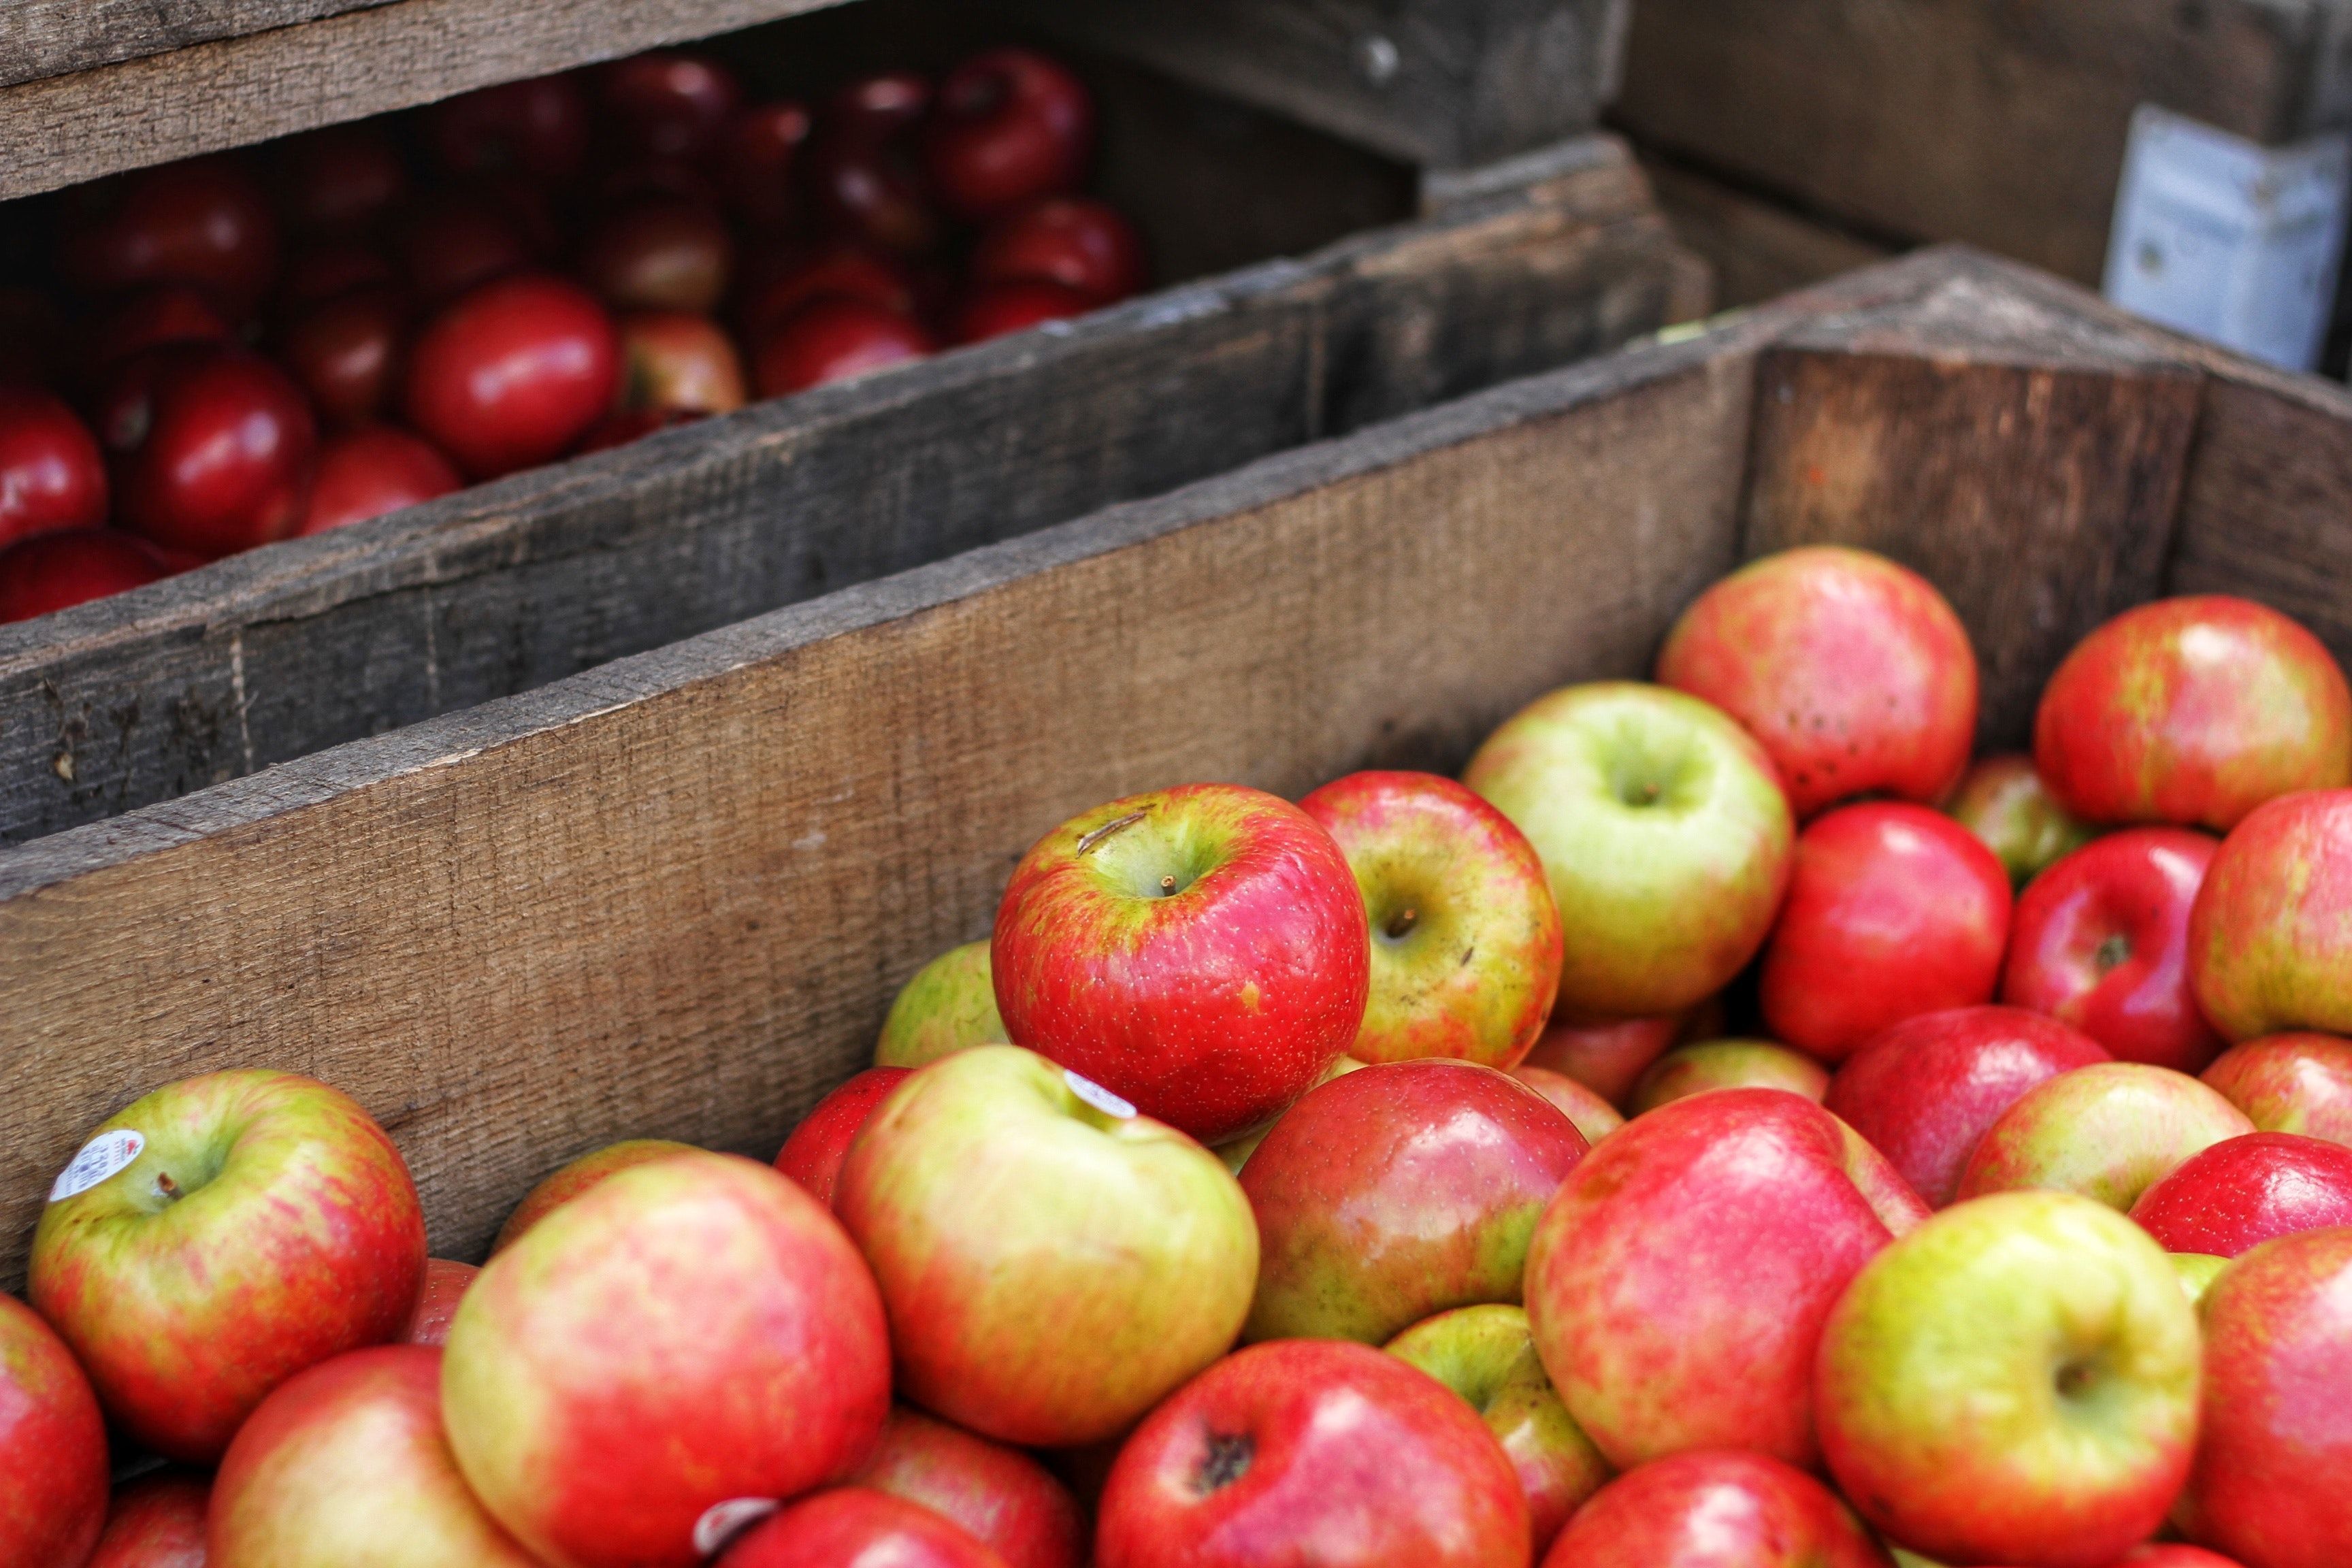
pixel 673 896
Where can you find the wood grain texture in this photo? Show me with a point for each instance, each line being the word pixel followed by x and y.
pixel 275 654
pixel 50 37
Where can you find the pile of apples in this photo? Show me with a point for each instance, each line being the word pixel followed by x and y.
pixel 1367 1182
pixel 245 348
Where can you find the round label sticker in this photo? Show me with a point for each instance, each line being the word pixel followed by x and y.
pixel 99 1158
pixel 723 1521
pixel 1098 1097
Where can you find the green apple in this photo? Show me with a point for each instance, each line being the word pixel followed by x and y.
pixel 949 1006
pixel 2110 1131
pixel 1727 1064
pixel 2198 1270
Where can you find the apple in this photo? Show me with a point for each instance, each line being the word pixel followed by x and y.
pixel 1000 309
pixel 1924 1091
pixel 1486 1354
pixel 2172 1555
pixel 1609 1056
pixel 1465 943
pixel 561 1186
pixel 2242 1191
pixel 2101 942
pixel 201 221
pixel 1078 243
pixel 950 1005
pixel 1236 1153
pixel 686 1338
pixel 2108 1131
pixel 863 177
pixel 2265 938
pixel 53 572
pixel 52 475
pixel 2003 801
pixel 659 253
pixel 1313 1452
pixel 213 448
pixel 1716 1506
pixel 1010 126
pixel 758 162
pixel 512 373
pixel 452 241
pixel 345 352
pixel 154 316
pixel 538 128
pixel 348 1463
pixel 1894 910
pixel 322 270
pixel 446 1284
pixel 2274 1458
pixel 1201 951
pixel 673 360
pixel 781 282
pixel 1678 1282
pixel 2290 1083
pixel 52 1446
pixel 999 1496
pixel 340 179
pixel 1853 672
pixel 993 1181
pixel 1664 834
pixel 2014 1382
pixel 1727 1064
pixel 217 1237
pixel 671 103
pixel 2193 711
pixel 813 1154
pixel 155 1521
pixel 1594 1117
pixel 366 473
pixel 834 338
pixel 857 1527
pixel 1398 1192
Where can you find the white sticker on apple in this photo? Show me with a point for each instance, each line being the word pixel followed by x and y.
pixel 1098 1097
pixel 723 1521
pixel 102 1156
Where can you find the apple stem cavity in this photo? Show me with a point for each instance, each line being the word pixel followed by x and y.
pixel 1227 1461
pixel 1402 925
pixel 2112 952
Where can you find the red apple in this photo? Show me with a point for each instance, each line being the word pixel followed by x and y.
pixel 513 373
pixel 1716 1506
pixel 2243 1191
pixel 950 1005
pixel 203 221
pixel 34 327
pixel 1392 1193
pixel 813 1154
pixel 999 1496
pixel 455 240
pixel 2291 1083
pixel 625 425
pixel 1710 1065
pixel 2101 941
pixel 2110 1131
pixel 330 268
pixel 52 1448
pixel 1594 1117
pixel 156 1521
pixel 52 475
pixel 788 281
pixel 1608 1057
pixel 1310 1452
pixel 1080 244
pixel 2275 1457
pixel 690 1335
pixel 367 473
pixel 2003 801
pixel 864 179
pixel 2172 1555
pixel 538 128
pixel 669 102
pixel 53 572
pixel 2193 710
pixel 561 1186
pixel 213 449
pixel 834 338
pixel 659 253
pixel 1465 942
pixel 1853 672
pixel 674 362
pixel 218 1237
pixel 345 354
pixel 339 179
pixel 1894 910
pixel 446 1284
pixel 759 164
pixel 1200 951
pixel 857 1527
pixel 1678 1283
pixel 165 314
pixel 1924 1091
pixel 1011 126
pixel 1000 309
pixel 2267 947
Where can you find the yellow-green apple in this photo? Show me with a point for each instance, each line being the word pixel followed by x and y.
pixel 52 1446
pixel 1663 831
pixel 1924 1091
pixel 2198 1270
pixel 217 1237
pixel 1465 942
pixel 992 1182
pixel 568 1182
pixel 346 1464
pixel 2014 1382
pixel 1398 1192
pixel 1716 1506
pixel 857 1527
pixel 2003 801
pixel 2268 950
pixel 2110 1131
pixel 436 1302
pixel 662 1357
pixel 1488 1355
pixel 1200 951
pixel 1854 673
pixel 813 1154
pixel 1894 910
pixel 1594 1117
pixel 155 1521
pixel 950 1003
pixel 1607 1058
pixel 996 1494
pixel 1676 1285
pixel 2101 941
pixel 1308 1451
pixel 1727 1064
pixel 2290 1083
pixel 1236 1153
pixel 2245 1190
pixel 2193 710
pixel 2274 1460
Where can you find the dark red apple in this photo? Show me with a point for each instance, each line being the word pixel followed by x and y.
pixel 156 1521
pixel 813 1154
pixel 997 1494
pixel 1080 244
pixel 1714 1506
pixel 793 280
pixel 33 325
pixel 758 162
pixel 52 474
pixel 625 425
pixel 857 1527
pixel 452 241
pixel 2243 1192
pixel 1001 310
pixel 345 352
pixel 669 102
pixel 341 179
pixel 332 267
pixel 52 1446
pixel 1607 1057
pixel 152 318
pixel 661 253
pixel 864 182
pixel 834 338
pixel 53 572
pixel 203 222
pixel 213 448
pixel 538 128
pixel 367 473
pixel 1010 126
pixel 513 373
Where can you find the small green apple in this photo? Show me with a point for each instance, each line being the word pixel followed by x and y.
pixel 948 1006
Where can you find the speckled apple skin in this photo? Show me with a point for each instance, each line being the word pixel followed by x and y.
pixel 857 1527
pixel 813 1154
pixel 53 1459
pixel 2108 1131
pixel 1594 1117
pixel 156 1521
pixel 2245 1191
pixel 949 1006
pixel 997 1494
pixel 2270 939
pixel 1716 1506
pixel 563 1184
pixel 2003 801
pixel 2290 1083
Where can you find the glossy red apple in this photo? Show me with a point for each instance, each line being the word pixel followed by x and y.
pixel 1607 1058
pixel 671 360
pixel 165 314
pixel 1078 243
pixel 2108 1131
pixel 1000 309
pixel 538 128
pixel 156 1521
pixel 2266 946
pixel 857 1527
pixel 998 1495
pixel 340 179
pixel 949 1006
pixel 1716 1506
pixel 513 373
pixel 446 1284
pixel 798 277
pixel 204 222
pixel 834 338
pixel 568 1182
pixel 1924 1091
pixel 52 1448
pixel 346 354
pixel 1893 910
pixel 2291 1083
pixel 759 161
pixel 52 474
pixel 659 253
pixel 53 572
pixel 1678 1283
pixel 1708 1065
pixel 2245 1190
pixel 865 181
pixel 1594 1117
pixel 213 449
pixel 1201 952
pixel 217 1237
pixel 1308 1451
pixel 455 240
pixel 627 425
pixel 2101 941
pixel 671 103
pixel 1011 126
pixel 813 1154
pixel 369 472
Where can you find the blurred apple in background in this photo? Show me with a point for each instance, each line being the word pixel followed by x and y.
pixel 1727 1064
pixel 370 472
pixel 155 1521
pixel 512 373
pixel 2267 951
pixel 674 103
pixel 998 1495
pixel 52 474
pixel 436 1302
pixel 1716 1506
pixel 340 180
pixel 346 352
pixel 2245 1191
pixel 53 1459
pixel 2003 801
pixel 950 1005
pixel 857 1527
pixel 673 360
pixel 211 448
pixel 2108 1131
pixel 1010 126
pixel 201 221
pixel 1594 1117
pixel 659 253
pixel 813 1154
pixel 568 1182
pixel 1079 244
pixel 2291 1083
pixel 539 128
pixel 865 178
pixel 834 338
pixel 1606 1057
pixel 53 572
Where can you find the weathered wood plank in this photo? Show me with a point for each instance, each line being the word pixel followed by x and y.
pixel 1757 250
pixel 50 37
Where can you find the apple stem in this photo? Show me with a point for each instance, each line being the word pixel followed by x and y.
pixel 1107 828
pixel 1227 1460
pixel 165 1185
